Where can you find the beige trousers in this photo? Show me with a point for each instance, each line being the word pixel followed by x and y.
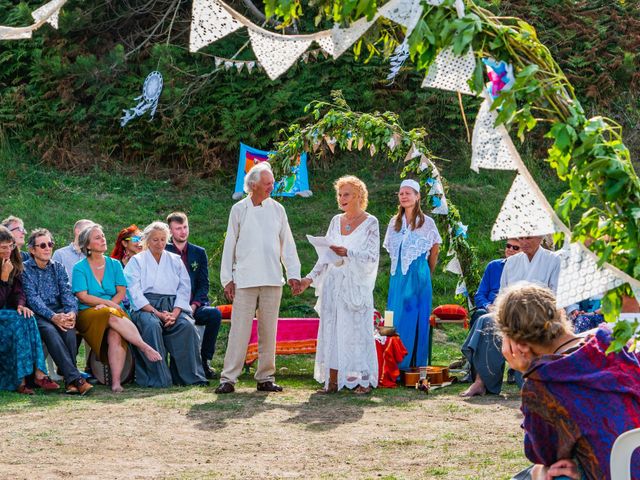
pixel 267 299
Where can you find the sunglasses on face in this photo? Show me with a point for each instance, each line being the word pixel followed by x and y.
pixel 44 245
pixel 510 246
pixel 134 239
pixel 19 229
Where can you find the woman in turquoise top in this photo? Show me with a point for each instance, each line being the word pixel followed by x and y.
pixel 98 282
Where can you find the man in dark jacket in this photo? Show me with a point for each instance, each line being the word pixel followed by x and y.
pixel 195 259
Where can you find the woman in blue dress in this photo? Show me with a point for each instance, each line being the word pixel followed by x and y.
pixel 20 344
pixel 413 243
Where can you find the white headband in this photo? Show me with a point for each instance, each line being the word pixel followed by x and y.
pixel 411 183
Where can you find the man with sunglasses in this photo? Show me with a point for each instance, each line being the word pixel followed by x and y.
pixel 490 283
pixel 16 226
pixel 49 295
pixel 195 259
pixel 71 254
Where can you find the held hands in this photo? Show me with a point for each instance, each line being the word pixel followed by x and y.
pixel 230 291
pixel 340 251
pixel 518 355
pixel 294 283
pixel 304 284
pixel 7 268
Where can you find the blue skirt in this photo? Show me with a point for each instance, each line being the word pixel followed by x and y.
pixel 20 349
pixel 410 300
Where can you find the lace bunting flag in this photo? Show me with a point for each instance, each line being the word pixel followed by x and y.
pixel 210 21
pixel 343 38
pixel 276 53
pixel 454 266
pixel 580 277
pixel 49 11
pixel 451 72
pixel 11 33
pixel 326 43
pixel 490 144
pixel 522 214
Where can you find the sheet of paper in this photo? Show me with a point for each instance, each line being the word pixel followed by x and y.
pixel 325 254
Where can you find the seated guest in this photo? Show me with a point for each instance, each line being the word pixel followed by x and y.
pixel 482 347
pixel 48 293
pixel 197 264
pixel 71 254
pixel 100 286
pixel 490 283
pixel 586 314
pixel 128 243
pixel 576 398
pixel 16 226
pixel 160 290
pixel 20 344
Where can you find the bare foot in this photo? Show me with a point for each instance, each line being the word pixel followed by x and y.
pixel 117 388
pixel 360 390
pixel 476 388
pixel 151 354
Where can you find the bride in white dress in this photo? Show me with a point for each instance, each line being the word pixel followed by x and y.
pixel 346 353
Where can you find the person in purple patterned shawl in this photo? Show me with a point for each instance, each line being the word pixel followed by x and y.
pixel 576 398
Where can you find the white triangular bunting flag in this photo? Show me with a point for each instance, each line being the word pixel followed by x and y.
pixel 14 33
pixel 343 38
pixel 250 66
pixel 403 12
pixel 454 266
pixel 228 64
pixel 412 153
pixel 442 209
pixel 326 43
pixel 451 72
pixel 210 21
pixel 636 293
pixel 276 53
pixel 522 214
pixel 239 66
pixel 436 188
pixel 49 11
pixel 461 288
pixel 490 144
pixel 218 61
pixel 580 278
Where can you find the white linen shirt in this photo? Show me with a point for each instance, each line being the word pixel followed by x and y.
pixel 258 242
pixel 168 277
pixel 543 269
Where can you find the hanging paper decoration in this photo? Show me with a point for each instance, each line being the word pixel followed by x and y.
pixel 210 21
pixel 451 72
pixel 461 288
pixel 402 12
pixel 343 38
pixel 500 76
pixel 491 146
pixel 522 214
pixel 580 277
pixel 454 266
pixel 148 101
pixel 15 33
pixel 441 207
pixel 436 187
pixel 49 12
pixel 276 53
pixel 461 230
pixel 296 183
pixel 400 55
pixel 412 153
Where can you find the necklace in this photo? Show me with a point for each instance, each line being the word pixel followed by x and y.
pixel 100 267
pixel 348 223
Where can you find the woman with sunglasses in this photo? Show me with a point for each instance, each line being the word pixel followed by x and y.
pixel 413 243
pixel 16 226
pixel 20 344
pixel 128 243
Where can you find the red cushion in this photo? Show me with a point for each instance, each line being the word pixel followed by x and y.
pixel 450 312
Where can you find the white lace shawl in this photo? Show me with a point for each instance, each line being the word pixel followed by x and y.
pixel 359 268
pixel 414 242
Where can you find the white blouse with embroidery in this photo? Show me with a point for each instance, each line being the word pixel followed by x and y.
pixel 414 243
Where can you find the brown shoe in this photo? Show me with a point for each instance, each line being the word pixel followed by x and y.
pixel 71 389
pixel 46 383
pixel 83 386
pixel 268 387
pixel 225 387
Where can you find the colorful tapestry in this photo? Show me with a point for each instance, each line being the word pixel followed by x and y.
pixel 296 336
pixel 295 184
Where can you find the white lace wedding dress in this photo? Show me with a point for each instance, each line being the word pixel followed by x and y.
pixel 345 305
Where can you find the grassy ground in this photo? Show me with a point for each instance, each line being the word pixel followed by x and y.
pixel 391 434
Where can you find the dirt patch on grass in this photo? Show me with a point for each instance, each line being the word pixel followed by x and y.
pixel 192 433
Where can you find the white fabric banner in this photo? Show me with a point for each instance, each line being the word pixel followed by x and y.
pixel 49 12
pixel 210 21
pixel 343 38
pixel 451 72
pixel 580 277
pixel 276 53
pixel 326 43
pixel 10 33
pixel 454 266
pixel 522 214
pixel 490 144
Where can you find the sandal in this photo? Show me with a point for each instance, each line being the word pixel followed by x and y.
pixel 360 390
pixel 25 390
pixel 332 387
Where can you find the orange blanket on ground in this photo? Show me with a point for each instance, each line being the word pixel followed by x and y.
pixel 390 354
pixel 295 336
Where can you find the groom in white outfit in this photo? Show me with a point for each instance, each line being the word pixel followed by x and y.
pixel 258 240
